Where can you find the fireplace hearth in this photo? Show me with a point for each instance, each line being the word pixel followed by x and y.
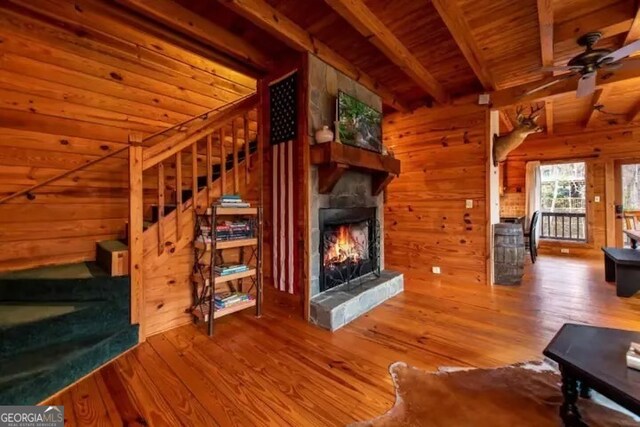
pixel 349 246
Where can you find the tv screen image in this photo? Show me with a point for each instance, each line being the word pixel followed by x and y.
pixel 359 124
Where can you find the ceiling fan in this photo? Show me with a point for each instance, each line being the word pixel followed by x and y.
pixel 587 64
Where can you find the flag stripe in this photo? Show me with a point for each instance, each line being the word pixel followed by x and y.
pixel 282 230
pixel 290 211
pixel 274 237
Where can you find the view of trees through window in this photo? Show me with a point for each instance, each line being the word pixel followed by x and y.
pixel 563 201
pixel 631 187
pixel 563 188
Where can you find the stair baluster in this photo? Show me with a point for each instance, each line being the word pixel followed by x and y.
pixel 179 206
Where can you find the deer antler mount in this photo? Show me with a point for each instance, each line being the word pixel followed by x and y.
pixel 526 125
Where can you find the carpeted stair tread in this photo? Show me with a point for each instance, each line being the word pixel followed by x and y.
pixel 48 290
pixel 20 313
pixel 91 318
pixel 80 270
pixel 28 378
pixel 55 330
pixel 42 359
pixel 113 245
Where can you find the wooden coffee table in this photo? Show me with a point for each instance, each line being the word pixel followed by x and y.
pixel 594 358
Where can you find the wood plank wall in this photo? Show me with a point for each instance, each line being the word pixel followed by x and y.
pixel 596 148
pixel 75 80
pixel 443 154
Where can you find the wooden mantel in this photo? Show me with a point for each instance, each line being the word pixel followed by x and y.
pixel 334 159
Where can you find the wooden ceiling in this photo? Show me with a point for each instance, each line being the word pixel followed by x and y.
pixel 426 52
pixel 413 53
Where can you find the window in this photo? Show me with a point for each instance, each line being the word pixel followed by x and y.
pixel 563 201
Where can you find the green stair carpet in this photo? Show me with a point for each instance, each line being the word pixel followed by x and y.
pixel 57 324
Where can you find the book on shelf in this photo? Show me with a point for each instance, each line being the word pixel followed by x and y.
pixel 225 270
pixel 234 204
pixel 229 299
pixel 633 356
pixel 231 197
pixel 232 201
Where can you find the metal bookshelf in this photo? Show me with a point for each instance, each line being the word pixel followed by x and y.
pixel 209 251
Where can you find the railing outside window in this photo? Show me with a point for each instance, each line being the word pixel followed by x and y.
pixel 564 226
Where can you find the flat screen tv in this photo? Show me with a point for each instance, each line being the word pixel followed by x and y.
pixel 359 124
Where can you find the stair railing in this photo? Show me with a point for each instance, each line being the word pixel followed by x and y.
pixel 178 129
pixel 183 143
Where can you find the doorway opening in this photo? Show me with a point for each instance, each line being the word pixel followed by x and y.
pixel 563 201
pixel 630 198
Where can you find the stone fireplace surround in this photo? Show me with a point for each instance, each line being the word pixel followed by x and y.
pixel 338 306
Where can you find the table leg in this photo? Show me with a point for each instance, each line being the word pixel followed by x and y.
pixel 569 410
pixel 609 269
pixel 585 390
pixel 627 280
pixel 634 244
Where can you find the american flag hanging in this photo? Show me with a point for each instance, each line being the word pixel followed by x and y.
pixel 284 132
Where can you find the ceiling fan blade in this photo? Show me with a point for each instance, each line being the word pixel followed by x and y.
pixel 623 52
pixel 561 68
pixel 551 83
pixel 586 85
pixel 630 64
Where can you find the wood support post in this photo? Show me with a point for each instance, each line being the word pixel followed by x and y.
pixel 161 200
pixel 223 164
pixel 379 182
pixel 194 176
pixel 178 195
pixel 209 169
pixel 236 172
pixel 136 250
pixel 329 175
pixel 247 150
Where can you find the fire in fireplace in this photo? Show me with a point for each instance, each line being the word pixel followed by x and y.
pixel 349 245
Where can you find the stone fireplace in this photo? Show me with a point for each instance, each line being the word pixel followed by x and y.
pixel 347 239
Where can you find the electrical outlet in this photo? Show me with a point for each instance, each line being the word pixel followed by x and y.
pixel 435 270
pixel 469 204
pixel 564 251
pixel 596 199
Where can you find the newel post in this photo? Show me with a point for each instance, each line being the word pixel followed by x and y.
pixel 136 250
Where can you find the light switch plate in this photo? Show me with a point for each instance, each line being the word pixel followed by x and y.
pixel 469 204
pixel 564 251
pixel 435 270
pixel 596 199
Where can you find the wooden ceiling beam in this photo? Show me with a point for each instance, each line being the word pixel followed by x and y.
pixel 634 113
pixel 366 23
pixel 268 18
pixel 514 95
pixel 109 21
pixel 610 21
pixel 545 22
pixel 548 116
pixel 182 19
pixel 594 110
pixel 634 31
pixel 454 19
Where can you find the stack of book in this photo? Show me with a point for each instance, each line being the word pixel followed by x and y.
pixel 227 269
pixel 229 299
pixel 232 201
pixel 633 356
pixel 232 230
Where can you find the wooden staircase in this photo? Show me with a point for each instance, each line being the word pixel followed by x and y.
pixel 113 255
pixel 171 173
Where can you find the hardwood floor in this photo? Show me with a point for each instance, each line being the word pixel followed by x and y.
pixel 279 370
